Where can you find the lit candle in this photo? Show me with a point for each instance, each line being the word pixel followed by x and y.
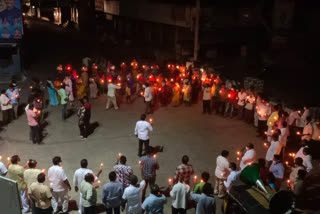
pixel 109 80
pixel 101 165
pixel 139 162
pixel 8 159
pixel 265 145
pixel 150 120
pixel 119 84
pixel 265 132
pixel 195 179
pixel 287 163
pixel 154 156
pixel 298 133
pixel 120 154
pixel 0 158
pixel 169 181
pixel 229 95
pixel 238 153
pixel 141 93
pixel 102 81
pixel 201 181
pixel 43 171
pixel 99 181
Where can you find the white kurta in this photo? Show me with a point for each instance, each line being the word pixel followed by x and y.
pixel 272 150
pixel 222 169
pixel 248 158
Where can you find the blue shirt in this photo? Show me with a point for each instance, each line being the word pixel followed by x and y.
pixel 154 204
pixel 277 170
pixel 112 194
pixel 12 95
pixel 205 204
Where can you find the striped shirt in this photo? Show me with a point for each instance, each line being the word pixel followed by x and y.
pixel 186 170
pixel 89 194
pixel 123 173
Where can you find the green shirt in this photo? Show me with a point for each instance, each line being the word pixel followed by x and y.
pixel 63 95
pixel 89 194
pixel 199 187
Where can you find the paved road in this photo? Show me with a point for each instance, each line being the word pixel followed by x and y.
pixel 182 131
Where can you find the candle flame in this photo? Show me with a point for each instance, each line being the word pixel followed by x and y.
pixel 287 163
pixel 99 181
pixel 43 170
pixel 201 181
pixel 154 156
pixel 101 164
pixel 169 180
pixel 195 177
pixel 120 154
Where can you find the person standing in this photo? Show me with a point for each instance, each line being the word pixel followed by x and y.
pixel 206 99
pixel 34 125
pixel 179 196
pixel 249 156
pixel 307 130
pixel 184 169
pixel 69 89
pixel 232 176
pixel 79 176
pixel 3 169
pixel 142 131
pixel 64 102
pixel 83 120
pixel 241 101
pixel 232 96
pixel 205 176
pixel 205 203
pixel 123 171
pixel 31 175
pixel 149 165
pixel 273 118
pixel 222 171
pixel 6 107
pixel 148 99
pixel 273 149
pixel 41 195
pixel 112 194
pixel 112 96
pixel 277 170
pixel 248 109
pixel 13 95
pixel 53 100
pixel 16 172
pixel 264 111
pixel 132 196
pixel 155 201
pixel 89 195
pixel 59 184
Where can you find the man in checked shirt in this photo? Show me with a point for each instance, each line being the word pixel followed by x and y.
pixel 184 169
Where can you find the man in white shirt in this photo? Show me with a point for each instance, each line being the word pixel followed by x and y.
pixel 132 196
pixel 6 107
pixel 222 171
pixel 148 99
pixel 249 156
pixel 232 177
pixel 79 177
pixel 142 132
pixel 179 195
pixel 307 130
pixel 264 112
pixel 3 169
pixel 273 149
pixel 59 184
pixel 112 96
pixel 241 101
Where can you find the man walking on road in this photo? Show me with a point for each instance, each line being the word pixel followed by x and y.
pixel 112 96
pixel 142 132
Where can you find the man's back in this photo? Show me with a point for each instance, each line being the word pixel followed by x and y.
pixel 111 194
pixel 154 204
pixel 149 166
pixel 205 204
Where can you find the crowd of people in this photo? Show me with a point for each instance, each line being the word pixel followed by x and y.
pixel 173 86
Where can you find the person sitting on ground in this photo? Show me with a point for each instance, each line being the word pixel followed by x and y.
pixel 205 202
pixel 232 177
pixel 154 202
pixel 205 176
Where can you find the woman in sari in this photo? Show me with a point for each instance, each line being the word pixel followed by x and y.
pixel 176 95
pixel 53 100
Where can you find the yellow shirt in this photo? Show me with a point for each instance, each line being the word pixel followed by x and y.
pixel 15 172
pixel 213 89
pixel 128 91
pixel 31 176
pixel 274 117
pixel 41 194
